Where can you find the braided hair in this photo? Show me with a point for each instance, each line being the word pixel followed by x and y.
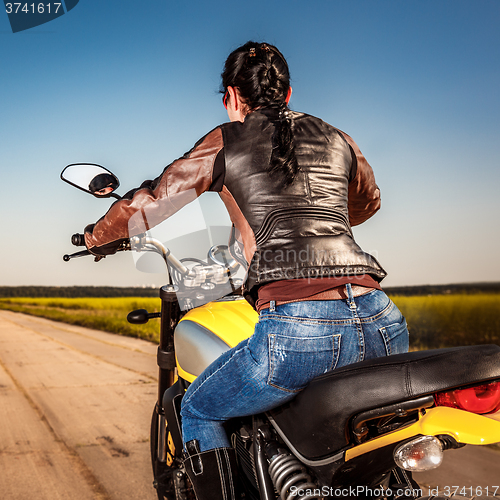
pixel 260 73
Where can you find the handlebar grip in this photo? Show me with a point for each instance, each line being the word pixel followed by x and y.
pixel 78 240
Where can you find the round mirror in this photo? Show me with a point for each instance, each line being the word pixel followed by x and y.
pixel 91 178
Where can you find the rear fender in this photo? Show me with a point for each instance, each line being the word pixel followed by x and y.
pixel 463 426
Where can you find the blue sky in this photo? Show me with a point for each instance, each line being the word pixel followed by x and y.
pixel 133 85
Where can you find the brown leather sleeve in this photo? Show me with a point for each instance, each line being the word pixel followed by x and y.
pixel 245 235
pixel 181 182
pixel 364 194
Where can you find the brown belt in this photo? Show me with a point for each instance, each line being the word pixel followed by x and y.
pixel 339 292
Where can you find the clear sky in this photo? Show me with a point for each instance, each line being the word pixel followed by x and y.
pixel 132 85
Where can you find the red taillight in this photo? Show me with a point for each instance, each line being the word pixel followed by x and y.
pixel 481 399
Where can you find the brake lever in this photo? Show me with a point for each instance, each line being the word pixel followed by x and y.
pixel 83 253
pixel 68 257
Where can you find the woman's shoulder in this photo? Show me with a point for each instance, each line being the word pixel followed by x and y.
pixel 318 123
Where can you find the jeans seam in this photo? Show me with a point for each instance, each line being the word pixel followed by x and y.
pixel 284 389
pixel 377 316
pixel 270 349
pixel 386 340
pixel 339 336
pixel 361 340
pixel 359 329
pixel 299 319
pixel 199 415
pixel 212 374
pixel 319 321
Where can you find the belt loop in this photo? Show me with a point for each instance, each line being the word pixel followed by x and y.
pixel 350 296
pixel 272 306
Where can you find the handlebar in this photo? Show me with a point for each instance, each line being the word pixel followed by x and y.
pixel 144 242
pixel 218 272
pixel 78 240
pixel 141 242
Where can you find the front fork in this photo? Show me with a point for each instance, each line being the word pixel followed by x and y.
pixel 162 451
pixel 161 444
pixel 170 317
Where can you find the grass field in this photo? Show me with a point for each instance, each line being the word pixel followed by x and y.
pixel 108 314
pixel 434 321
pixel 451 320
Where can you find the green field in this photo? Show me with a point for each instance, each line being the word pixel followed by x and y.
pixel 434 321
pixel 451 320
pixel 108 314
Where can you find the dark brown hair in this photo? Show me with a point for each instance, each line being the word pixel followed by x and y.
pixel 260 73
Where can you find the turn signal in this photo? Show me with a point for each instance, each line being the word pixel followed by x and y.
pixel 422 453
pixel 481 399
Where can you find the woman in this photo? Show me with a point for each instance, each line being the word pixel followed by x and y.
pixel 293 186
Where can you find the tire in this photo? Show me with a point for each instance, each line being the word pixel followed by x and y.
pixel 162 473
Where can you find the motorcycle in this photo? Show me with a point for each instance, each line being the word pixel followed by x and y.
pixel 358 431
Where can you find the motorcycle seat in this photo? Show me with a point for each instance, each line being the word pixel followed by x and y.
pixel 325 407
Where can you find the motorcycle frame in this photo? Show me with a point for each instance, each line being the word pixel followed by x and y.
pixel 170 317
pixel 434 421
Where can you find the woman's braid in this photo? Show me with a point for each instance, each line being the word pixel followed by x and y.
pixel 260 73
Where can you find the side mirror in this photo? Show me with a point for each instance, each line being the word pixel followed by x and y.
pixel 92 179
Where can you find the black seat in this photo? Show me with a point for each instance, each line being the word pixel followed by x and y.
pixel 315 422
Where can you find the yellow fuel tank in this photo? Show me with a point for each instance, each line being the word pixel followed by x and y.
pixel 206 332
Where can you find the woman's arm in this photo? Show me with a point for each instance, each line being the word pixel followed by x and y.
pixel 364 194
pixel 180 183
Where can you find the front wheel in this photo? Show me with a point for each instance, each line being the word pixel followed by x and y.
pixel 162 470
pixel 170 480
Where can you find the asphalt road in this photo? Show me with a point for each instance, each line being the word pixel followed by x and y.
pixel 75 409
pixel 472 471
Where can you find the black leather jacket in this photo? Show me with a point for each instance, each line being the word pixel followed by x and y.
pixel 300 231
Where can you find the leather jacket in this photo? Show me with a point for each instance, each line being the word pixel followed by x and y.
pixel 301 231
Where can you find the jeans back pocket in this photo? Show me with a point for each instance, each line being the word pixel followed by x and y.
pixel 295 361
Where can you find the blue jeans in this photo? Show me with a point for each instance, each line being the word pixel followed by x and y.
pixel 291 344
